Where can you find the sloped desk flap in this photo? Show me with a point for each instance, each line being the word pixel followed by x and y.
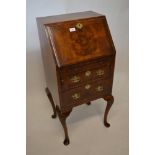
pixel 80 40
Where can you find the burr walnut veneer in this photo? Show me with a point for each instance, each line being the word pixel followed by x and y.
pixel 78 56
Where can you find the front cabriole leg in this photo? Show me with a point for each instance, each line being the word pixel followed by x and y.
pixel 62 118
pixel 49 95
pixel 110 100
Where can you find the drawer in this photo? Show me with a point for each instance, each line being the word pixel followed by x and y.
pixel 85 93
pixel 76 76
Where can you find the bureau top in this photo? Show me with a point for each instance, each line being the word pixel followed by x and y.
pixel 68 17
pixel 78 37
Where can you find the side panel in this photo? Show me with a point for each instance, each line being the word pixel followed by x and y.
pixel 49 63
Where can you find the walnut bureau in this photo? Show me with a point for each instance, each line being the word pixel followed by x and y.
pixel 79 57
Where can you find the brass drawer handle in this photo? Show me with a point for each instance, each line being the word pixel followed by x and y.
pixel 75 79
pixel 87 73
pixel 99 88
pixel 76 96
pixel 100 72
pixel 79 26
pixel 87 86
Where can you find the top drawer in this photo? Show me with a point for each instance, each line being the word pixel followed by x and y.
pixel 75 76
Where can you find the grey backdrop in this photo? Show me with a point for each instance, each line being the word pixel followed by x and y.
pixel 44 136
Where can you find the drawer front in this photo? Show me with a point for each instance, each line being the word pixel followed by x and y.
pixel 77 76
pixel 85 93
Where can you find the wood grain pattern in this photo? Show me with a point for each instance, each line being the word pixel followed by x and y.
pixel 93 69
pixel 50 68
pixel 86 95
pixel 79 65
pixel 81 45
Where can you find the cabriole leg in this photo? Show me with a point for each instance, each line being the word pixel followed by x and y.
pixel 62 118
pixel 51 101
pixel 110 100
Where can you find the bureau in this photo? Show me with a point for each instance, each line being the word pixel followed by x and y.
pixel 79 57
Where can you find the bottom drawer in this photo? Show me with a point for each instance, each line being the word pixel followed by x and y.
pixel 86 93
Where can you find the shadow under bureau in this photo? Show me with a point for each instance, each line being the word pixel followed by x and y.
pixel 79 57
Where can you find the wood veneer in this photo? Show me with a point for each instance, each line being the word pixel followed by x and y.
pixel 79 57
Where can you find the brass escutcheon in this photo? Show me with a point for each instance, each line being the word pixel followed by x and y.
pixel 79 26
pixel 87 73
pixel 100 72
pixel 87 86
pixel 75 79
pixel 99 88
pixel 76 96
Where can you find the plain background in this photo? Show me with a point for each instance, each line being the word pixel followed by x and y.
pixel 87 133
pixel 13 77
